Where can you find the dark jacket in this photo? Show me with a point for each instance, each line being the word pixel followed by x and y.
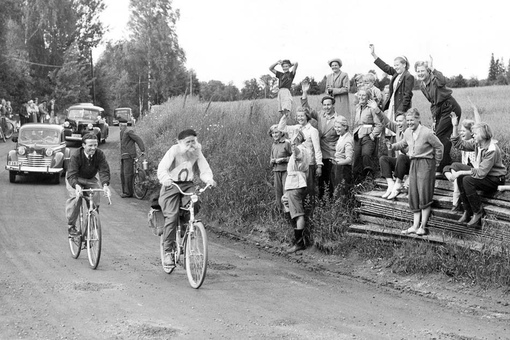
pixel 403 90
pixel 80 167
pixel 128 139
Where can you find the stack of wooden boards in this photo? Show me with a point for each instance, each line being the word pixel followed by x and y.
pixel 388 217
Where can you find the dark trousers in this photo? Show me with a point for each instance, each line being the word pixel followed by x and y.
pixel 343 179
pixel 126 175
pixel 170 201
pixel 23 120
pixel 326 179
pixel 363 152
pixel 398 165
pixel 443 127
pixel 468 187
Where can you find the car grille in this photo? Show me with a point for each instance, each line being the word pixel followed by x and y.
pixel 34 160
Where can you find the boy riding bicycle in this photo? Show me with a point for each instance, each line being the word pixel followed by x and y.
pixel 84 165
pixel 181 163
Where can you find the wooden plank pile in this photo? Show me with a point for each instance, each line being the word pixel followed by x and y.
pixel 388 217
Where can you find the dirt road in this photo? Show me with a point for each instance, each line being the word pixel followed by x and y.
pixel 248 292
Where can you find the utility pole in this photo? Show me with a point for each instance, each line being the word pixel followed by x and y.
pixel 93 80
pixel 191 83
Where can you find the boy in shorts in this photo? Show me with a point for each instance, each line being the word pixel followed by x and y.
pixel 295 188
pixel 285 79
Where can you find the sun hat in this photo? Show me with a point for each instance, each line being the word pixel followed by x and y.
pixel 333 60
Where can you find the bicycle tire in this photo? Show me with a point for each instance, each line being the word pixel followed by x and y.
pixel 76 241
pixel 94 239
pixel 166 269
pixel 9 131
pixel 139 187
pixel 195 248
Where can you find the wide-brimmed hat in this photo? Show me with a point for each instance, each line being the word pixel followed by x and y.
pixel 335 59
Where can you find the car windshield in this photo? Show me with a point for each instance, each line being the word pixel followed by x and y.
pixel 125 114
pixel 83 114
pixel 41 136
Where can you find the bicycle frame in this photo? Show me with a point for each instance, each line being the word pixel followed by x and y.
pixel 190 227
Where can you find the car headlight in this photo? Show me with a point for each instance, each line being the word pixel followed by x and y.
pixel 66 124
pixel 49 152
pixel 90 126
pixel 21 150
pixel 194 198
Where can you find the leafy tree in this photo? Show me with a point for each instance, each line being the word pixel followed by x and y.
pixel 493 69
pixel 251 90
pixel 159 58
pixel 473 82
pixel 458 81
pixel 268 82
pixel 71 84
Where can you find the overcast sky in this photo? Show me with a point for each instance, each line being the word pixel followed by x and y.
pixel 236 40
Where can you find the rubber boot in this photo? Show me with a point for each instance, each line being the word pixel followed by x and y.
pixel 299 243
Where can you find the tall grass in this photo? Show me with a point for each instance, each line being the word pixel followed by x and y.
pixel 235 140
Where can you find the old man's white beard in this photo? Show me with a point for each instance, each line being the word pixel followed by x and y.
pixel 191 153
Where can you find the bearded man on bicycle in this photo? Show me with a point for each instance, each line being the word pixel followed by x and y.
pixel 85 164
pixel 181 163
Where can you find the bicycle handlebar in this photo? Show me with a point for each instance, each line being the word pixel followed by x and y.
pixel 98 190
pixel 191 193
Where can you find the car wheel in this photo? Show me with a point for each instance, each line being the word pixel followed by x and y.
pixel 12 176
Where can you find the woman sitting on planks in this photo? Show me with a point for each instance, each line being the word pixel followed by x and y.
pixel 486 174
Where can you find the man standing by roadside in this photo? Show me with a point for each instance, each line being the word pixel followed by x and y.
pixel 328 137
pixel 128 139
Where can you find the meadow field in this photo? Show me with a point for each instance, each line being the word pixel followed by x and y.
pixel 235 140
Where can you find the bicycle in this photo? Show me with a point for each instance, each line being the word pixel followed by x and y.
pixel 139 181
pixel 192 244
pixel 89 228
pixel 7 128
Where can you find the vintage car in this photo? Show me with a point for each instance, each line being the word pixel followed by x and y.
pixel 123 115
pixel 79 120
pixel 40 148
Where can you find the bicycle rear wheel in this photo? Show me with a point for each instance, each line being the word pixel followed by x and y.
pixel 75 241
pixel 166 269
pixel 9 130
pixel 139 187
pixel 94 240
pixel 196 255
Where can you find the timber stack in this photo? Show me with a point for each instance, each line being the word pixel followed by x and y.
pixel 388 217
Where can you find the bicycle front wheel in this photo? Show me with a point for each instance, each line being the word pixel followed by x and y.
pixel 75 241
pixel 139 187
pixel 94 240
pixel 196 255
pixel 9 130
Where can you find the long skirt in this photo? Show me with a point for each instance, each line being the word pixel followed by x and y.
pixel 421 183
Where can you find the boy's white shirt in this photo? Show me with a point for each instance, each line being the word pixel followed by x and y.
pixel 182 169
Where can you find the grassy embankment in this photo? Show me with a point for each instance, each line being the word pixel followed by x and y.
pixel 235 141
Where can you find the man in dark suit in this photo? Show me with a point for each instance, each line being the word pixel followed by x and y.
pixel 128 141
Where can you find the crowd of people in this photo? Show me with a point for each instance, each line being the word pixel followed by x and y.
pixel 32 111
pixel 329 149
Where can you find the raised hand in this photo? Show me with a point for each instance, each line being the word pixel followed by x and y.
pixel 372 104
pixel 455 119
pixel 431 63
pixel 305 86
